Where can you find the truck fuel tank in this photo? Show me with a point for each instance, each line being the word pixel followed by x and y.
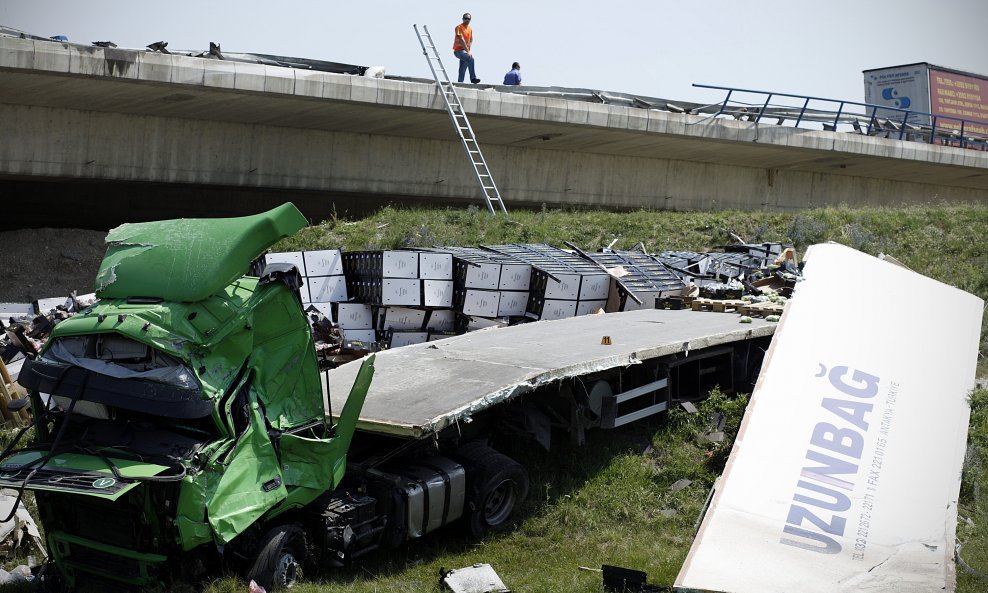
pixel 433 490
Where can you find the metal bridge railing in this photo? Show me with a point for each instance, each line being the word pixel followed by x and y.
pixel 852 116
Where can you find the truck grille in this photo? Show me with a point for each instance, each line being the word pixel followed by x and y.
pixel 89 482
pixel 91 559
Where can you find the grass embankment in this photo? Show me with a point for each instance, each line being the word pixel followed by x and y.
pixel 612 502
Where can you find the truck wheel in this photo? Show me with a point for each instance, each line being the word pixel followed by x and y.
pixel 496 485
pixel 278 562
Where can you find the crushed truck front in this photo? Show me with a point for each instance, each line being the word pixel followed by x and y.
pixel 181 412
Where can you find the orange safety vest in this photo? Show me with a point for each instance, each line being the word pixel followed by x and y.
pixel 464 32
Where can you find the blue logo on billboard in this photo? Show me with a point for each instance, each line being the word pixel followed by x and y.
pixel 891 94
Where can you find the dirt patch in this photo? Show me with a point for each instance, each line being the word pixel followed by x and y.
pixel 42 263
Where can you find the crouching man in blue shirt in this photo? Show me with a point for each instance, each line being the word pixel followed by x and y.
pixel 513 77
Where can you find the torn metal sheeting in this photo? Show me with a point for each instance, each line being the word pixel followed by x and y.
pixel 46 306
pixel 479 578
pixel 413 393
pixel 847 468
pixel 21 529
pixel 16 311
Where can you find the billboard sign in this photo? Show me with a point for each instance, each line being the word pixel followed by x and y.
pixel 902 87
pixel 846 471
pixel 960 96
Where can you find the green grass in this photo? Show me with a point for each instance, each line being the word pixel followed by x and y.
pixel 611 501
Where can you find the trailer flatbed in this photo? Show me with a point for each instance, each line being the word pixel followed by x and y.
pixel 423 388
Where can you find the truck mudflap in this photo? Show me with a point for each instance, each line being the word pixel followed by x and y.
pixel 75 473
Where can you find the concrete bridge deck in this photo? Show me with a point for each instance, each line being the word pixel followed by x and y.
pixel 72 113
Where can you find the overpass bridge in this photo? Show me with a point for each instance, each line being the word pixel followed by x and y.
pixel 96 136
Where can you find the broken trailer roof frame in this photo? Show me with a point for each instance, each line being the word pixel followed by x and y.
pixel 421 389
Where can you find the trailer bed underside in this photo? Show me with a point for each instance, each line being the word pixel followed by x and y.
pixel 424 388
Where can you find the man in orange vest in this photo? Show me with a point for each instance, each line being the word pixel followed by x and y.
pixel 461 48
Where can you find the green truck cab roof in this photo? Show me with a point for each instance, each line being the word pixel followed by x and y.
pixel 188 259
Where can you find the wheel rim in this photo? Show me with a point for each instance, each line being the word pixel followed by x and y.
pixel 286 572
pixel 500 502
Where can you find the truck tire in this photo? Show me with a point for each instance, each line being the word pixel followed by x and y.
pixel 496 486
pixel 279 560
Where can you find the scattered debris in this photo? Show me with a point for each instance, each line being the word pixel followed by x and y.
pixel 626 580
pixel 19 574
pixel 21 531
pixel 689 407
pixel 679 485
pixel 479 578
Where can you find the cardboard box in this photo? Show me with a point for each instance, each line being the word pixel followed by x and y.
pixel 326 289
pixel 326 262
pixel 482 303
pixel 515 277
pixel 590 307
pixel 367 336
pixel 482 276
pixel 399 339
pixel 512 303
pixel 403 319
pixel 400 264
pixel 437 293
pixel 594 287
pixel 441 320
pixel 436 266
pixel 433 336
pixel 287 257
pixel 355 316
pixel 566 287
pixel 475 323
pixel 400 291
pixel 557 309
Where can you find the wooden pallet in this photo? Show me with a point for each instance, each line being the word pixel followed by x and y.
pixel 10 391
pixel 718 306
pixel 761 309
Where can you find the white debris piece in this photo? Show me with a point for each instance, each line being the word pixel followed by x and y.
pixel 479 578
pixel 20 526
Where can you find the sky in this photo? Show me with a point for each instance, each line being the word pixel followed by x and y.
pixel 656 48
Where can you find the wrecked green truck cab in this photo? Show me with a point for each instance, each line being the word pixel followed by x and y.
pixel 182 412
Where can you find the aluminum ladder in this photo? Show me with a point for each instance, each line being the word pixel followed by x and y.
pixel 460 122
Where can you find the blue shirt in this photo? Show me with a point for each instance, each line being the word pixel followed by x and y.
pixel 513 77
